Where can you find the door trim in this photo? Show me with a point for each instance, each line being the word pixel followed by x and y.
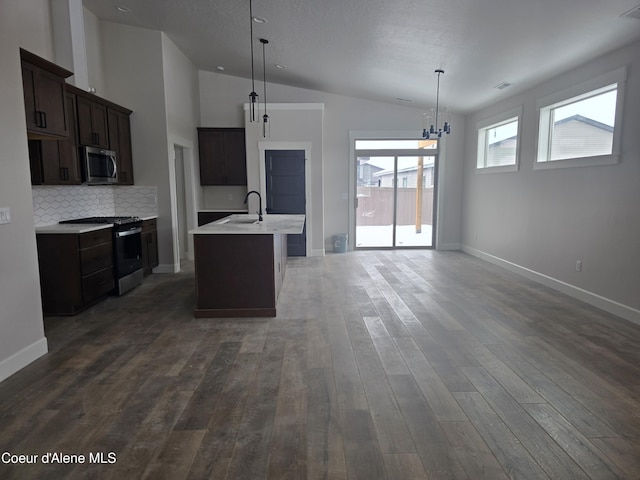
pixel 306 146
pixel 394 135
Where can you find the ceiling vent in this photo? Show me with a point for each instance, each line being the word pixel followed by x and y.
pixel 633 13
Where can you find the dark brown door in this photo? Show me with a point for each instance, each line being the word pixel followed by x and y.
pixel 286 194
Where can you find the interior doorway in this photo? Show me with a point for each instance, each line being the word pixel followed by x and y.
pixel 396 193
pixel 286 191
pixel 181 203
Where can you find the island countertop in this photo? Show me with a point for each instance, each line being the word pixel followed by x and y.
pixel 248 224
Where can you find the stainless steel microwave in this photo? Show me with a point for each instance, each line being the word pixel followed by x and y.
pixel 99 166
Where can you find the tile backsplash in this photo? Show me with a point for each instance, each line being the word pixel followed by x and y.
pixel 54 203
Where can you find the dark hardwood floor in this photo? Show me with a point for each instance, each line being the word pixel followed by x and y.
pixel 380 365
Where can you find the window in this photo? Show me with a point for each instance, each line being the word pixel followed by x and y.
pixel 498 143
pixel 580 126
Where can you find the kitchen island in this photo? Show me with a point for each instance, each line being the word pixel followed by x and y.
pixel 240 264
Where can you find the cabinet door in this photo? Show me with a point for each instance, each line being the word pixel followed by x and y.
pixel 29 73
pixel 92 123
pixel 120 142
pixel 222 156
pixel 211 146
pixel 235 158
pixel 149 239
pixel 56 162
pixel 153 249
pixel 69 147
pixel 44 101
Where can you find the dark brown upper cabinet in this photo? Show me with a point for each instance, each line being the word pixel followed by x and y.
pixel 44 97
pixel 222 156
pixel 92 123
pixel 120 142
pixel 57 162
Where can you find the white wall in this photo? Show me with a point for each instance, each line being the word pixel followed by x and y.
pixel 540 222
pixel 183 114
pixel 93 47
pixel 294 126
pixel 22 24
pixel 133 68
pixel 221 100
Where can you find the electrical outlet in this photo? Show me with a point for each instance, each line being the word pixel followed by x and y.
pixel 5 215
pixel 230 196
pixel 578 265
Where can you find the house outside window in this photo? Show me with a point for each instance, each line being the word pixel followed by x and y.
pixel 581 126
pixel 498 145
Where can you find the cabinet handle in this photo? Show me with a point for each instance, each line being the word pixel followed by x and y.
pixel 39 121
pixel 44 119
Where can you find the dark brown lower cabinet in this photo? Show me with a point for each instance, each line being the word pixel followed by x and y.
pixel 149 238
pixel 239 275
pixel 76 270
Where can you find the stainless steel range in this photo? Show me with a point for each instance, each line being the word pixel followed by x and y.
pixel 127 249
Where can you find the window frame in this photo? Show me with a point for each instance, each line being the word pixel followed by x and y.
pixel 515 114
pixel 582 91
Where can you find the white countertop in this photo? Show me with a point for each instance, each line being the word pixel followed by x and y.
pixel 80 227
pixel 216 210
pixel 240 224
pixel 72 228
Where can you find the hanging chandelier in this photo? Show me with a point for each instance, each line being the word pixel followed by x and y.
pixel 253 96
pixel 266 126
pixel 433 130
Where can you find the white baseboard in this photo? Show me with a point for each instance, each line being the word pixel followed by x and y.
pixel 603 303
pixel 318 252
pixel 24 357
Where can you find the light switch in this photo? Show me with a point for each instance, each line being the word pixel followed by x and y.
pixel 5 215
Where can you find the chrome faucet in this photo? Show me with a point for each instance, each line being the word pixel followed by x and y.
pixel 259 212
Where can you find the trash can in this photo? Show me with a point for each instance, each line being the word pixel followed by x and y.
pixel 340 243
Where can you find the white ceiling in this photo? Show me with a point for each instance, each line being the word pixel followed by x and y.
pixel 387 50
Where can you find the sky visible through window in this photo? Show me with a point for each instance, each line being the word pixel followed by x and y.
pixel 601 108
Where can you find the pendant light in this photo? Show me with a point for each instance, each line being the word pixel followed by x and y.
pixel 434 130
pixel 253 96
pixel 266 126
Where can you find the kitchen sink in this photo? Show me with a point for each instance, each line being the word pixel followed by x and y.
pixel 238 221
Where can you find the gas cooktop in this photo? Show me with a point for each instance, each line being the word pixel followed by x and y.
pixel 114 220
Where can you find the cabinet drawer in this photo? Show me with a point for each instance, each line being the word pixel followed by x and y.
pixel 97 285
pixel 96 258
pixel 149 225
pixel 97 237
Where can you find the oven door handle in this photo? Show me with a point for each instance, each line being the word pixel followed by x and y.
pixel 126 233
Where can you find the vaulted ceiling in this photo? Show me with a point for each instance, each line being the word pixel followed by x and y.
pixel 387 50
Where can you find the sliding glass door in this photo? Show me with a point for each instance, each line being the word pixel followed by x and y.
pixel 395 194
